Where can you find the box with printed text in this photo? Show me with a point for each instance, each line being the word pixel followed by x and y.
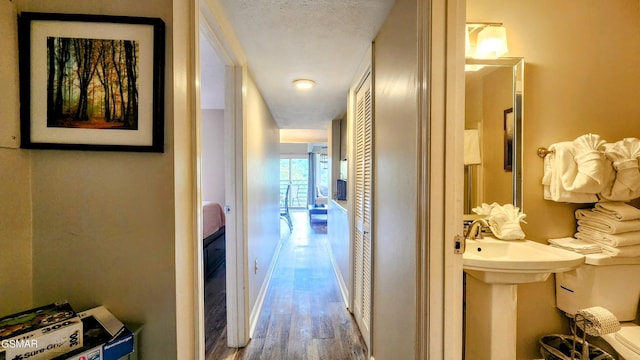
pixel 105 337
pixel 40 333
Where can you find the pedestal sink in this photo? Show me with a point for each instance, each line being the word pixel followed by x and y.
pixel 495 268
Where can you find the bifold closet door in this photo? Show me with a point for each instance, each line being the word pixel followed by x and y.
pixel 362 208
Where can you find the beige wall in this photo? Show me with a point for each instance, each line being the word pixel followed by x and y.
pixel 103 221
pixel 15 186
pixel 262 169
pixel 581 76
pixel 213 155
pixel 395 186
pixel 15 231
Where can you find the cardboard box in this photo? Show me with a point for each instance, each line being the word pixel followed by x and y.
pixel 40 333
pixel 105 337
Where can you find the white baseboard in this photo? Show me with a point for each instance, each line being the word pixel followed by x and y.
pixel 257 308
pixel 336 270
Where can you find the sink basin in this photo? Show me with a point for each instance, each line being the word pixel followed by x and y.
pixel 495 261
pixel 496 267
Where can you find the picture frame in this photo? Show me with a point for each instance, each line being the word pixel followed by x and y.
pixel 91 82
pixel 509 125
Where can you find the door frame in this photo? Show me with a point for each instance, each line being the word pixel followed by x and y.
pixel 219 34
pixel 441 118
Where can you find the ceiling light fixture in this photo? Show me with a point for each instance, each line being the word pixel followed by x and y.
pixel 304 84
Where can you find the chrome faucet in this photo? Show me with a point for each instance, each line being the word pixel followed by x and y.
pixel 474 230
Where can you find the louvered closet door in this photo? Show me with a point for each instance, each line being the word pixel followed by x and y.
pixel 363 203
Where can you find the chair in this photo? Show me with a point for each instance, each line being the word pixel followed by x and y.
pixel 294 195
pixel 284 208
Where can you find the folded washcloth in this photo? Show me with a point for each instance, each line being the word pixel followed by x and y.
pixel 560 163
pixel 600 222
pixel 575 245
pixel 622 251
pixel 618 210
pixel 615 240
pixel 624 156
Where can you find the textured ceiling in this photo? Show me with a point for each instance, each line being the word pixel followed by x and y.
pixel 322 40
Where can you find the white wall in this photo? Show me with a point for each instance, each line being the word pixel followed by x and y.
pixel 213 155
pixel 103 222
pixel 262 169
pixel 581 76
pixel 395 186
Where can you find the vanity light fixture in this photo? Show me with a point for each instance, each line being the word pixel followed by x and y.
pixel 485 40
pixel 304 84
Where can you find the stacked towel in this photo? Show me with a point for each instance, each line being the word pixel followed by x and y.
pixel 597 221
pixel 618 210
pixel 575 245
pixel 601 225
pixel 577 171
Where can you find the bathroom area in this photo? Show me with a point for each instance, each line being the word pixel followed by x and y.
pixel 571 70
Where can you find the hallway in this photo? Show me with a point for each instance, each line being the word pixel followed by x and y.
pixel 303 316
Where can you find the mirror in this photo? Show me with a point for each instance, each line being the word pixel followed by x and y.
pixel 494 101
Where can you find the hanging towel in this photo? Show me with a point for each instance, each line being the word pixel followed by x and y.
pixel 622 251
pixel 618 210
pixel 615 240
pixel 596 221
pixel 560 161
pixel 624 157
pixel 592 171
pixel 575 245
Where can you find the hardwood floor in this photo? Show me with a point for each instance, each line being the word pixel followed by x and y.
pixel 303 316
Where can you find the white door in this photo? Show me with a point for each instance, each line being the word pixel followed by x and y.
pixel 362 208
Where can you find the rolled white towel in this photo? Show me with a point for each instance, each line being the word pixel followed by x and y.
pixel 617 210
pixel 599 321
pixel 615 240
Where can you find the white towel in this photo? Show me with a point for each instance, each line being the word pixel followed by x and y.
pixel 618 210
pixel 622 251
pixel 624 157
pixel 575 245
pixel 504 220
pixel 600 222
pixel 560 161
pixel 593 170
pixel 615 240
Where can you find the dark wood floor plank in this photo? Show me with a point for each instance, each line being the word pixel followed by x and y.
pixel 303 316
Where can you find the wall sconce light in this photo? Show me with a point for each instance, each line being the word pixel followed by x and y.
pixel 485 40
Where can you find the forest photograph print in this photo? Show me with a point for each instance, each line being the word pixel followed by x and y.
pixel 91 82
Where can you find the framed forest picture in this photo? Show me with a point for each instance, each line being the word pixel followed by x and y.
pixel 91 82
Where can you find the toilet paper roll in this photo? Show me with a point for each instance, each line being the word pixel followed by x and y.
pixel 599 321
